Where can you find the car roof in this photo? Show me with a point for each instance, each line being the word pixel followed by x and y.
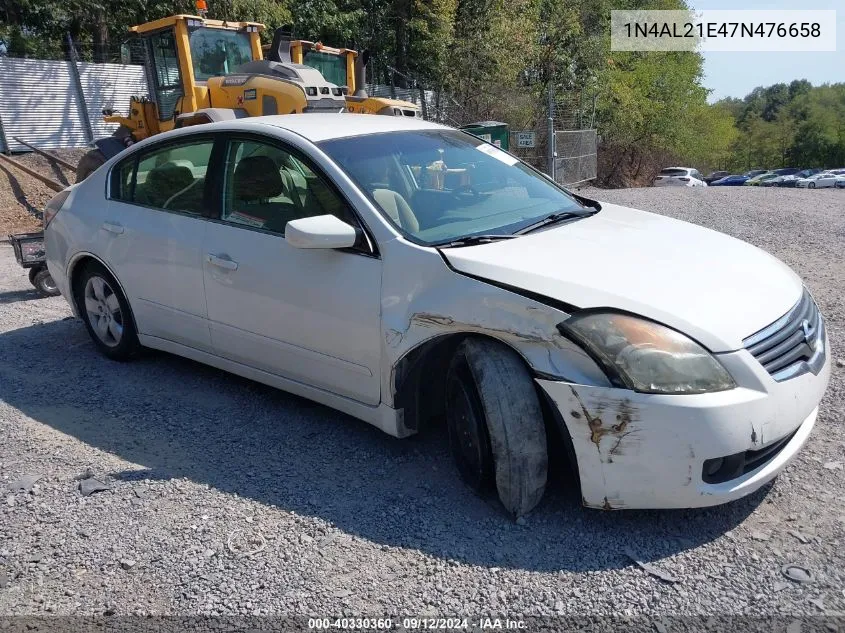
pixel 324 126
pixel 687 168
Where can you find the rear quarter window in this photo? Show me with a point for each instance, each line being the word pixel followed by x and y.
pixel 123 180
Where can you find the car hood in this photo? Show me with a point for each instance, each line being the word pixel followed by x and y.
pixel 716 289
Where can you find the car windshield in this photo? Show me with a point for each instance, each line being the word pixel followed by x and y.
pixel 442 185
pixel 218 51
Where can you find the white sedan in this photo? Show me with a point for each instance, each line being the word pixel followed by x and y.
pixel 679 177
pixel 825 179
pixel 403 272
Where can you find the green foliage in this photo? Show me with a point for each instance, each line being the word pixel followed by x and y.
pixel 498 59
pixel 795 125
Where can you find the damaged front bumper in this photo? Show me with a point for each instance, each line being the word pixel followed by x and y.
pixel 636 450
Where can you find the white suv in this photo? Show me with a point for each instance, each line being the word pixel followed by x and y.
pixel 679 177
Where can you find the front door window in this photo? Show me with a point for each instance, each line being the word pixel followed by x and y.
pixel 267 187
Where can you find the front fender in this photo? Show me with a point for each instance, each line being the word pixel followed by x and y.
pixel 442 301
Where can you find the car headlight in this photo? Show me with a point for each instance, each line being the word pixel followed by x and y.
pixel 646 356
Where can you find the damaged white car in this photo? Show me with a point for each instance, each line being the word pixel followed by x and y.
pixel 403 272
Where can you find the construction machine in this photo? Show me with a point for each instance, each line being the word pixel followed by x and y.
pixel 342 66
pixel 200 70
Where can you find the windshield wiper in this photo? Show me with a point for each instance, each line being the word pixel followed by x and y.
pixel 553 219
pixel 472 240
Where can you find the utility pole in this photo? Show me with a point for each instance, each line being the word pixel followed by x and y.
pixel 76 79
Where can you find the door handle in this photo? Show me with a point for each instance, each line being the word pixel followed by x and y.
pixel 112 227
pixel 221 261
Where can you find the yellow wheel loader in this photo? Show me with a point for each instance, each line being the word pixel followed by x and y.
pixel 342 66
pixel 200 70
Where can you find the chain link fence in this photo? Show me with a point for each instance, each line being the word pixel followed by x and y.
pixel 576 156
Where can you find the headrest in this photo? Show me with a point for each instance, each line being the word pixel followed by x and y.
pixel 168 178
pixel 257 178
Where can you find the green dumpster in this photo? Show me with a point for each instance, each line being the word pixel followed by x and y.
pixel 494 132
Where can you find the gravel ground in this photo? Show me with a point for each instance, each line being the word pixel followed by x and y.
pixel 227 497
pixel 22 197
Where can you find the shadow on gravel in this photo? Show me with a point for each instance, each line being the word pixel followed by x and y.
pixel 19 194
pixel 13 296
pixel 179 419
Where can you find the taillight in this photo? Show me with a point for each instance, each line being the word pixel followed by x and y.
pixel 54 206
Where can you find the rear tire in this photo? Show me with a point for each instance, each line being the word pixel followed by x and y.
pixel 496 428
pixel 44 283
pixel 89 163
pixel 812 185
pixel 106 313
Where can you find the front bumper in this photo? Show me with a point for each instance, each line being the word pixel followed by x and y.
pixel 637 450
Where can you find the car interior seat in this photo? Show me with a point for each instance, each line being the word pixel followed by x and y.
pixel 258 183
pixel 397 208
pixel 163 183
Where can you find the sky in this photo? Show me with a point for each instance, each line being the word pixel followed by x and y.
pixel 737 74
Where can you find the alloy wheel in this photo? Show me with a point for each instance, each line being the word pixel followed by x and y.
pixel 103 311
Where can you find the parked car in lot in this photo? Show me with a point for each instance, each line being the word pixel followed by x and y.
pixel 679 177
pixel 759 179
pixel 755 172
pixel 817 181
pixel 792 180
pixel 734 180
pixel 716 175
pixel 401 271
pixel 781 174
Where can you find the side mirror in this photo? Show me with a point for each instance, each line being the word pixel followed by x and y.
pixel 320 231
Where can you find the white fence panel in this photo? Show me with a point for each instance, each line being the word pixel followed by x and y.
pixel 109 86
pixel 40 103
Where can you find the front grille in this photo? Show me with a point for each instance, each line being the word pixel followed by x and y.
pixel 785 347
pixel 722 469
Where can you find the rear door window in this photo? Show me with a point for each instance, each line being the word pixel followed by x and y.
pixel 171 178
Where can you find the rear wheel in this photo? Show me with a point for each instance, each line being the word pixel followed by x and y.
pixel 496 431
pixel 106 313
pixel 89 163
pixel 812 185
pixel 44 283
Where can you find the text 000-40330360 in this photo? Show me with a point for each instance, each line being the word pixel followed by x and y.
pixel 723 30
